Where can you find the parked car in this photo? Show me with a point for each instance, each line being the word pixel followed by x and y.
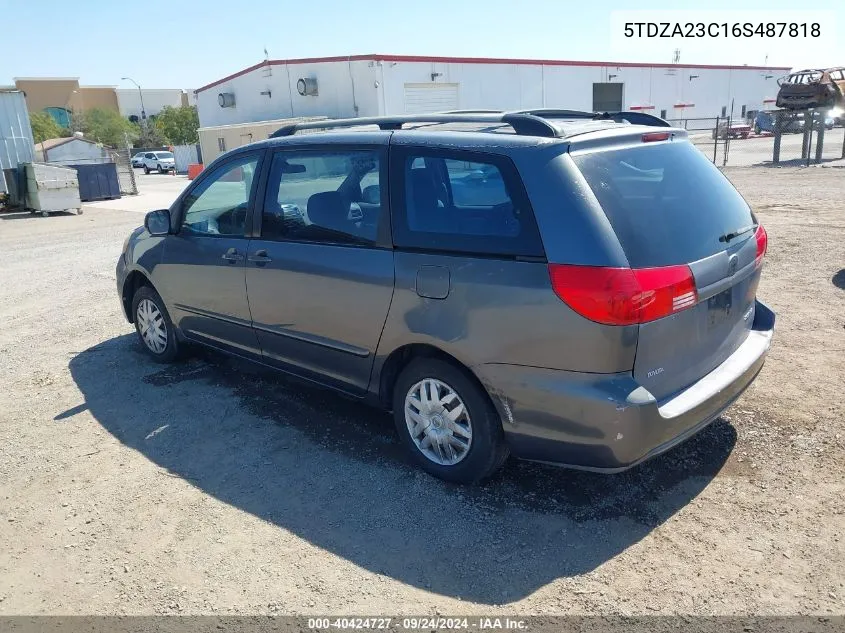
pixel 138 160
pixel 791 121
pixel 812 88
pixel 159 161
pixel 588 300
pixel 766 120
pixel 738 129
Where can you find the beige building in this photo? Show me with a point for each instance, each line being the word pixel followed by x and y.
pixel 62 96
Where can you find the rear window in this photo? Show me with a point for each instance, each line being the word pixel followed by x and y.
pixel 667 203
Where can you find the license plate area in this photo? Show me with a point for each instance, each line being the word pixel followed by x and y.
pixel 719 308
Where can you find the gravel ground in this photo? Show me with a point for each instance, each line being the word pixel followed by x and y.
pixel 214 487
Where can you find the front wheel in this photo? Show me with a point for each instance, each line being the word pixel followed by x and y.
pixel 153 325
pixel 447 422
pixel 160 170
pixel 146 170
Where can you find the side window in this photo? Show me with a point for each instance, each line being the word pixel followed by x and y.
pixel 220 203
pixel 148 155
pixel 471 204
pixel 321 196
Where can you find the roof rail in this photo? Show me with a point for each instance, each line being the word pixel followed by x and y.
pixel 522 123
pixel 635 118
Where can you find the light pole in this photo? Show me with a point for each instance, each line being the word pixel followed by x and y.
pixel 70 102
pixel 140 94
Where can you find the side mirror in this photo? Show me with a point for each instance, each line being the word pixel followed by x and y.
pixel 157 222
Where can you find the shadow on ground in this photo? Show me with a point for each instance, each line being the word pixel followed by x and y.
pixel 17 214
pixel 799 162
pixel 331 471
pixel 839 279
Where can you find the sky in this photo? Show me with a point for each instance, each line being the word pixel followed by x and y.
pixel 187 43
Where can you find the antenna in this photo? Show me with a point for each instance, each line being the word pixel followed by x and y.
pixel 266 55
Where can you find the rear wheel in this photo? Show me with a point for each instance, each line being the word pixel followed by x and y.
pixel 447 422
pixel 153 325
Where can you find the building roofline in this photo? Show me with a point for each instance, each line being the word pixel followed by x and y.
pixel 45 78
pixel 63 140
pixel 375 57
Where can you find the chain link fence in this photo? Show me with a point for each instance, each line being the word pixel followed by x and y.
pixel 125 172
pixel 702 133
pixel 777 137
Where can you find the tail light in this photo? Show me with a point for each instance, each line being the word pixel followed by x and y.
pixel 624 296
pixel 762 244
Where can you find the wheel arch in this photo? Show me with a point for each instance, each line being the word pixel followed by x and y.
pixel 133 281
pixel 399 358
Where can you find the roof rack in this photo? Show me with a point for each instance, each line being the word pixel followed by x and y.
pixel 524 123
pixel 635 118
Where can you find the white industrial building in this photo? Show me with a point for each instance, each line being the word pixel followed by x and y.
pixel 372 85
pixel 155 100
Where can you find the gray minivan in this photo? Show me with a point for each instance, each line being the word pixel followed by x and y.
pixel 567 287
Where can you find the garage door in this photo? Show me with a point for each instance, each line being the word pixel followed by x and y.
pixel 422 98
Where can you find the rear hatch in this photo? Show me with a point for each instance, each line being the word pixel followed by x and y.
pixel 695 249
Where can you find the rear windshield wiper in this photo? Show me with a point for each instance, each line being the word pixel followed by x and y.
pixel 727 237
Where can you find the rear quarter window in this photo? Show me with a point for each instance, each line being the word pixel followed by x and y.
pixel 667 203
pixel 463 202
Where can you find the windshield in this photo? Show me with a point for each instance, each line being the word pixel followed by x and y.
pixel 667 203
pixel 164 154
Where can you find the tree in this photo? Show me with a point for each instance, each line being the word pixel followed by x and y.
pixel 178 125
pixel 148 136
pixel 107 127
pixel 44 126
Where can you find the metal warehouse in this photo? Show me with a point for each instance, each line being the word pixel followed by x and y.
pixel 371 85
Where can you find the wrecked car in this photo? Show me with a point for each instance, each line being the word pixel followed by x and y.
pixel 819 88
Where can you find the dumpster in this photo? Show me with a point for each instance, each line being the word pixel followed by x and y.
pixel 97 181
pixel 51 188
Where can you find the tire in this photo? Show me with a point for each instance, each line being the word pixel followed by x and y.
pixel 160 170
pixel 146 170
pixel 486 451
pixel 161 349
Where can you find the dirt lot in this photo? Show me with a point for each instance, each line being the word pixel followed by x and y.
pixel 212 487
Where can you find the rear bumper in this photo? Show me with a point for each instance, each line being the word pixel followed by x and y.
pixel 608 422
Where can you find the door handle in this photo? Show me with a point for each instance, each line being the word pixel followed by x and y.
pixel 260 257
pixel 233 256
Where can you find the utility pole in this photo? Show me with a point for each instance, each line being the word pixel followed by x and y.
pixel 140 95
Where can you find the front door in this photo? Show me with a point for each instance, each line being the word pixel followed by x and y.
pixel 202 275
pixel 320 279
